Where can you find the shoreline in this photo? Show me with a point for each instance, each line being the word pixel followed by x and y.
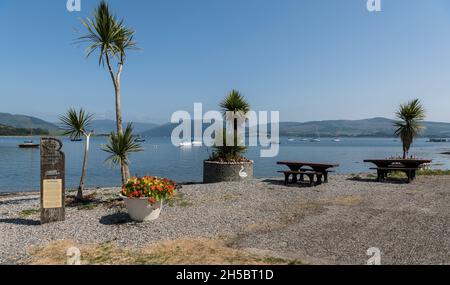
pixel 435 172
pixel 98 188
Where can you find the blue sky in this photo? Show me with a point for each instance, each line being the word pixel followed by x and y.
pixel 308 59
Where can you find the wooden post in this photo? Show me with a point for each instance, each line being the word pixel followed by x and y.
pixel 52 181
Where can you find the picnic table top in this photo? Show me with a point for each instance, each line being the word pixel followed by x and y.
pixel 296 163
pixel 399 160
pixel 406 162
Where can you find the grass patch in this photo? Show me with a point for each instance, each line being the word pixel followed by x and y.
pixel 87 207
pixel 430 172
pixel 341 201
pixel 180 200
pixel 29 212
pixel 177 252
pixel 355 177
pixel 297 262
pixel 184 204
pixel 275 261
pixel 398 175
pixel 231 197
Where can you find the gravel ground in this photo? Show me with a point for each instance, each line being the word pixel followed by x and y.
pixel 334 223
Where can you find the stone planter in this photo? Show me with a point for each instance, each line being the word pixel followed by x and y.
pixel 215 172
pixel 140 210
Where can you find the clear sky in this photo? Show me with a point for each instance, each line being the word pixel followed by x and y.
pixel 308 59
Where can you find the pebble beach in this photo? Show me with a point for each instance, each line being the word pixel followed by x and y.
pixel 334 223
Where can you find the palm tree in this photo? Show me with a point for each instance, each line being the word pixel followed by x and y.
pixel 411 115
pixel 119 147
pixel 239 107
pixel 112 39
pixel 75 124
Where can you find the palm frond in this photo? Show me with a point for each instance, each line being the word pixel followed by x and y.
pixel 410 125
pixel 121 146
pixel 235 102
pixel 75 123
pixel 107 35
pixel 412 111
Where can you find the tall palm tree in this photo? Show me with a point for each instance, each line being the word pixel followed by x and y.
pixel 119 147
pixel 109 36
pixel 235 103
pixel 75 124
pixel 411 115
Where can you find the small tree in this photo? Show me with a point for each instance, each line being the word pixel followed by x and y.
pixel 411 115
pixel 120 146
pixel 112 39
pixel 75 124
pixel 236 105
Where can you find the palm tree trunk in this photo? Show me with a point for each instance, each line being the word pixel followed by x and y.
pixel 125 175
pixel 235 137
pixel 119 121
pixel 84 169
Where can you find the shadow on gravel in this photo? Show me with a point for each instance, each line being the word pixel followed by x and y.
pixel 22 222
pixel 116 219
pixel 17 202
pixel 360 179
pixel 281 183
pixel 373 180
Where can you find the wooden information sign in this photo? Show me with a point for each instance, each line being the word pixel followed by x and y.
pixel 52 181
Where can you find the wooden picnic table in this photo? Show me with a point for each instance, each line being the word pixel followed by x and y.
pixel 322 168
pixel 409 166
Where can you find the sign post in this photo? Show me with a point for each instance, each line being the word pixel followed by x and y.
pixel 52 181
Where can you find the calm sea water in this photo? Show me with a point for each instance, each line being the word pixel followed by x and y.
pixel 19 168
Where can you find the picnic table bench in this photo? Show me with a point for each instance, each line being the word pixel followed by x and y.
pixel 386 166
pixel 309 169
pixel 311 175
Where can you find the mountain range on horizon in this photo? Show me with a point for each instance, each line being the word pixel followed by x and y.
pixel 374 127
pixel 26 122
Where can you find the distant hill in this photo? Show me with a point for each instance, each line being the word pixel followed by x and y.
pixel 165 130
pixel 26 122
pixel 160 131
pixel 11 131
pixel 376 127
pixel 108 126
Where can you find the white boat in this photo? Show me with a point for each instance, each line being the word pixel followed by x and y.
pixel 317 138
pixel 438 140
pixel 139 139
pixel 197 143
pixel 337 140
pixel 185 144
pixel 291 140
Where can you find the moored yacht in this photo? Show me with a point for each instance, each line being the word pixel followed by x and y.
pixel 28 144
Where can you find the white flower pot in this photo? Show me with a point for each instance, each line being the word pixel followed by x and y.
pixel 140 210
